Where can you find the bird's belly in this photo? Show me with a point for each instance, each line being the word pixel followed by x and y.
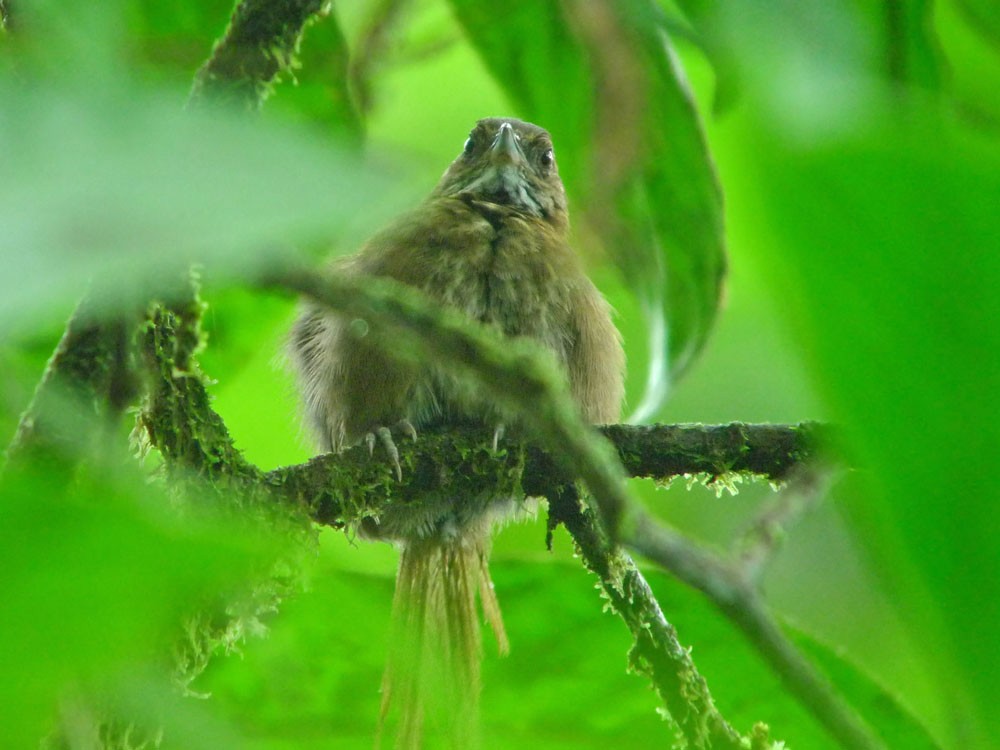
pixel 518 299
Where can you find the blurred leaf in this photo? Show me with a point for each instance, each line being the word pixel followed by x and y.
pixel 314 682
pixel 602 78
pixel 973 63
pixel 896 726
pixel 907 47
pixel 984 17
pixel 93 582
pixel 890 247
pixel 126 188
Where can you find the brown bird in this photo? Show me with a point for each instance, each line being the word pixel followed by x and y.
pixel 492 242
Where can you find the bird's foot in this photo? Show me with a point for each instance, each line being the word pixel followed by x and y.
pixel 383 436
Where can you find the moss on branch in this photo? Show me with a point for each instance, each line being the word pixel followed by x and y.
pixel 339 489
pixel 261 43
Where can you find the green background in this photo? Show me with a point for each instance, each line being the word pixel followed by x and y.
pixel 863 237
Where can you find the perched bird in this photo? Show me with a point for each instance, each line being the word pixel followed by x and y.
pixel 491 241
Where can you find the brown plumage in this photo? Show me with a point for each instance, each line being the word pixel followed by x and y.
pixel 490 241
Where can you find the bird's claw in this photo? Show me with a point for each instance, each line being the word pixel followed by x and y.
pixel 405 426
pixel 383 435
pixel 499 431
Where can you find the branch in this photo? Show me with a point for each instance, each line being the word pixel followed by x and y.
pixel 806 487
pixel 262 42
pixel 340 489
pixel 735 596
pixel 657 651
pixel 88 374
pixel 770 451
pixel 178 417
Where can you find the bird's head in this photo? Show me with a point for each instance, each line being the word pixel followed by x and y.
pixel 508 162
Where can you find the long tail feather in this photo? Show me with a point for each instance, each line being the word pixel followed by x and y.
pixel 433 674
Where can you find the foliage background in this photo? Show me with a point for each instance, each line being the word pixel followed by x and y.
pixel 862 228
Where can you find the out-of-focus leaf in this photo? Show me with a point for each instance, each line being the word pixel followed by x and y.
pixel 984 18
pixel 93 582
pixel 973 62
pixel 602 78
pixel 894 248
pixel 881 240
pixel 906 47
pixel 319 670
pixel 124 187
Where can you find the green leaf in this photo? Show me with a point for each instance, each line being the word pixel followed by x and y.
pixel 603 79
pixel 96 578
pixel 983 17
pixel 880 235
pixel 880 707
pixel 124 187
pixel 563 685
pixel 894 250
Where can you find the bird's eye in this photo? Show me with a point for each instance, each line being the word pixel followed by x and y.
pixel 469 146
pixel 547 159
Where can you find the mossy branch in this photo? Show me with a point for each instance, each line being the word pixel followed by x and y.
pixel 178 417
pixel 338 489
pixel 738 599
pixel 342 489
pixel 89 374
pixel 261 43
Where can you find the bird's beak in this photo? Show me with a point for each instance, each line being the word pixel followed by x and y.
pixel 505 147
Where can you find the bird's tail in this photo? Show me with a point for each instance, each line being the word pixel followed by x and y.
pixel 432 680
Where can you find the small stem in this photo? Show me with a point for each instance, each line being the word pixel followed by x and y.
pixel 733 594
pixel 657 651
pixel 805 489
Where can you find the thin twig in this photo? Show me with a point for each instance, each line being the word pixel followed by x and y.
pixel 657 650
pixel 804 490
pixel 733 594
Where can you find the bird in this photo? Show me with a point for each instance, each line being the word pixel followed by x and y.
pixel 492 242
